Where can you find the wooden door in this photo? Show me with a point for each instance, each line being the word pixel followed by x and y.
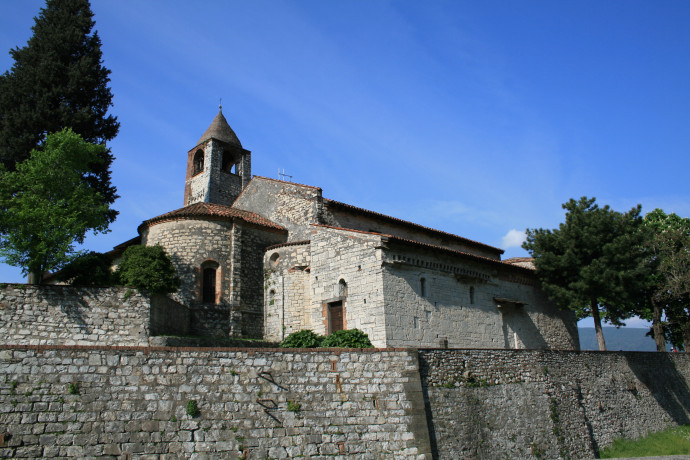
pixel 335 316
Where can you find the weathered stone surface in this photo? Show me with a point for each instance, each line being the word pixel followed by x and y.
pixel 401 295
pixel 66 315
pixel 148 417
pixel 392 403
pixel 549 404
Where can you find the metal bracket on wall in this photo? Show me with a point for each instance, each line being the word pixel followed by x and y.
pixel 269 378
pixel 269 405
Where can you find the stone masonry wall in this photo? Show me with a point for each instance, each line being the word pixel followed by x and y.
pixel 66 315
pixel 487 404
pixel 293 206
pixel 89 402
pixel 254 243
pixel 287 290
pixel 457 304
pixel 189 243
pixel 339 216
pixel 354 258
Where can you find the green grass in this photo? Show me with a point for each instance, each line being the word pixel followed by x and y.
pixel 672 441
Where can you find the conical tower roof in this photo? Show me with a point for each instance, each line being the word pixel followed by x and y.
pixel 220 130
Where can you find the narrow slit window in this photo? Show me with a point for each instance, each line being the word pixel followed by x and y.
pixel 209 285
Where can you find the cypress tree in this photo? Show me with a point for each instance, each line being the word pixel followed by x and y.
pixel 58 81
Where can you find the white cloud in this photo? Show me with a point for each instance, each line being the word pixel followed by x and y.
pixel 513 239
pixel 637 322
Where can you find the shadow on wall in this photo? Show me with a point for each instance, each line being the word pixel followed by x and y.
pixel 667 385
pixel 71 306
pixel 168 317
pixel 519 330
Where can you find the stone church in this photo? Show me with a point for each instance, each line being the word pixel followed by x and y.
pixel 261 258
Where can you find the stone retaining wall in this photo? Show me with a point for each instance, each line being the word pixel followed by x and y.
pixel 549 404
pixel 91 402
pixel 66 315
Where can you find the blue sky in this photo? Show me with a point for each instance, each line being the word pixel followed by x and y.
pixel 477 118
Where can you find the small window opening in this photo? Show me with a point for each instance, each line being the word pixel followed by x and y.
pixel 198 162
pixel 422 287
pixel 272 297
pixel 209 285
pixel 471 294
pixel 342 288
pixel 229 163
pixel 273 261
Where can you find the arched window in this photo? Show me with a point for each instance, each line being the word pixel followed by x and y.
pixel 272 297
pixel 471 294
pixel 229 163
pixel 274 259
pixel 209 284
pixel 198 162
pixel 342 288
pixel 422 287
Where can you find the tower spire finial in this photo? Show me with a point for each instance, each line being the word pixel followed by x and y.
pixel 220 104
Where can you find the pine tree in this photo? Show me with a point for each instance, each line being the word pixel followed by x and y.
pixel 593 263
pixel 58 81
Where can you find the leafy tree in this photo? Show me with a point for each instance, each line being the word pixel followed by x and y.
pixel 45 206
pixel 90 269
pixel 350 338
pixel 592 263
pixel 57 81
pixel 148 268
pixel 668 288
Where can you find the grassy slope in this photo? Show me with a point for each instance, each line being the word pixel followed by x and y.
pixel 672 441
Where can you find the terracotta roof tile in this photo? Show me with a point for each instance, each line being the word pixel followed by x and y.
pixel 525 262
pixel 286 182
pixel 411 224
pixel 216 211
pixel 290 243
pixel 429 246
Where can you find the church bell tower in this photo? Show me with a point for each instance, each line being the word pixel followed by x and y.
pixel 218 168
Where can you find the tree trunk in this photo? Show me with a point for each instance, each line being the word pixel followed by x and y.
pixel 33 278
pixel 686 337
pixel 597 325
pixel 656 327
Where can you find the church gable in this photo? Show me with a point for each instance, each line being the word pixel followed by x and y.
pixel 294 206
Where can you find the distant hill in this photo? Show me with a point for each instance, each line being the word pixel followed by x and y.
pixel 625 339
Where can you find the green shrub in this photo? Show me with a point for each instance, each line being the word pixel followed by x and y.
pixel 149 268
pixel 351 338
pixel 302 339
pixel 90 269
pixel 192 408
pixel 293 406
pixel 73 388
